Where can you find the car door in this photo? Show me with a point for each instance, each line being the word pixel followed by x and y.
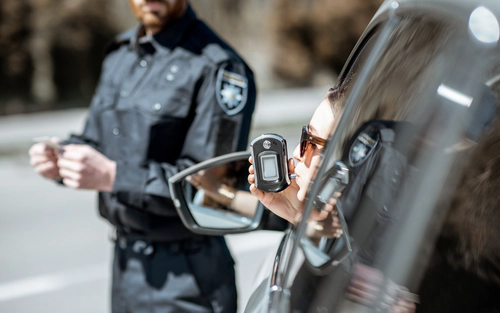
pixel 419 206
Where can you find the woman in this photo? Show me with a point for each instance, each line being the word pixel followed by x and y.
pixel 288 203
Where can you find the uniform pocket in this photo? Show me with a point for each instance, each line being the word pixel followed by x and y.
pixel 164 104
pixel 102 102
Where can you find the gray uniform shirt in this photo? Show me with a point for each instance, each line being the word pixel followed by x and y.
pixel 164 103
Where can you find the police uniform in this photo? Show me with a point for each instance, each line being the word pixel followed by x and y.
pixel 165 102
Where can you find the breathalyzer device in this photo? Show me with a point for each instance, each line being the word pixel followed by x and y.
pixel 270 161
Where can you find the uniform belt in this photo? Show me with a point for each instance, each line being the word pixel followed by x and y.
pixel 140 244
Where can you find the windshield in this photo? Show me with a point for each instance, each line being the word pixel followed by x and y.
pixel 418 140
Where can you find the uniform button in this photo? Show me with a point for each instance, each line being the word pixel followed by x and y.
pixel 116 131
pixel 143 63
pixel 157 106
pixel 148 250
pixel 123 93
pixel 174 69
pixel 139 246
pixel 169 77
pixel 122 243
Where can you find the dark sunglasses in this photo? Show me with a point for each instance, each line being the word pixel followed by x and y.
pixel 306 137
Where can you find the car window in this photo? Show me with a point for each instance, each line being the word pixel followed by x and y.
pixel 416 135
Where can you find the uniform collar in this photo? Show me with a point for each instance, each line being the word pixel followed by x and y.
pixel 169 37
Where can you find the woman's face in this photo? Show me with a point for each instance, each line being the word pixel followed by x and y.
pixel 320 126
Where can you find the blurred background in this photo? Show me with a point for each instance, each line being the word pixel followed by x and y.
pixel 51 50
pixel 55 253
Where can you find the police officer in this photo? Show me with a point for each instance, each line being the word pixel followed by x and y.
pixel 171 94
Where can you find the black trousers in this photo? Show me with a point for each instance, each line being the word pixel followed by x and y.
pixel 191 276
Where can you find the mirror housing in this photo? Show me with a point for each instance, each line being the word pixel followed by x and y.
pixel 212 197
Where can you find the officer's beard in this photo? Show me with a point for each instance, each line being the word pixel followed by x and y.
pixel 159 13
pixel 152 21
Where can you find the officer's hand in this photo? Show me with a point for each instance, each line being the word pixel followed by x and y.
pixel 83 167
pixel 44 160
pixel 284 203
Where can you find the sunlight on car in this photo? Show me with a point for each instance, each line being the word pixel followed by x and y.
pixel 484 25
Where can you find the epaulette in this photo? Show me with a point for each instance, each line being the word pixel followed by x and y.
pixel 121 39
pixel 216 53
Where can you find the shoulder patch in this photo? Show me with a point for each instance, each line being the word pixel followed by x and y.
pixel 215 53
pixel 231 91
pixel 361 149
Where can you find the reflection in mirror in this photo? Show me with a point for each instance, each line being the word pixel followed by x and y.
pixel 219 198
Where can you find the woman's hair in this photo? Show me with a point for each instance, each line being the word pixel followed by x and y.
pixel 393 88
pixel 336 94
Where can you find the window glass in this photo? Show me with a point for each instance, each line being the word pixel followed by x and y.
pixel 418 136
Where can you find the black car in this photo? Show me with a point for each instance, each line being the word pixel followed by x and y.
pixel 416 157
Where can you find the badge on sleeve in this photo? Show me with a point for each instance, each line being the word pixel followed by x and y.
pixel 361 148
pixel 231 91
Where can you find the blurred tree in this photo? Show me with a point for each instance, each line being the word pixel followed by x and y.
pixel 314 36
pixel 15 66
pixel 290 42
pixel 51 50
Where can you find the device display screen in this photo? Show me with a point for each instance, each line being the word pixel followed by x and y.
pixel 269 167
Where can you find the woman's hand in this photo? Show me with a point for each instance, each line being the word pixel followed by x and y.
pixel 284 203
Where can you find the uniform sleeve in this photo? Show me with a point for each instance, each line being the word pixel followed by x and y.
pixel 89 135
pixel 216 128
pixel 103 96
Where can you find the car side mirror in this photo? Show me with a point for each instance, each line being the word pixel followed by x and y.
pixel 213 197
